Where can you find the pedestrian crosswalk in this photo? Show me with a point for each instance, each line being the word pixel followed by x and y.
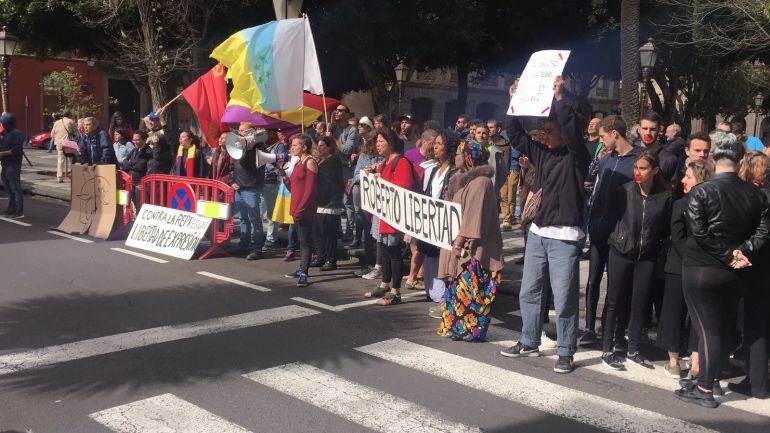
pixel 336 393
pixel 357 403
pixel 164 413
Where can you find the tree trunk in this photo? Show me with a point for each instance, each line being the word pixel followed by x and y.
pixel 462 88
pixel 158 93
pixel 629 60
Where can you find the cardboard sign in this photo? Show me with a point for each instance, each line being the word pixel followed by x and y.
pixel 534 94
pixel 92 201
pixel 167 231
pixel 420 216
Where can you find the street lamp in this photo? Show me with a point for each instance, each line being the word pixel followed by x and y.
pixel 648 55
pixel 401 70
pixel 7 44
pixel 759 98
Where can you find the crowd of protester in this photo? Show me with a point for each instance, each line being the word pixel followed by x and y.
pixel 679 225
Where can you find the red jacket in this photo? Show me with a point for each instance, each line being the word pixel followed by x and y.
pixel 402 176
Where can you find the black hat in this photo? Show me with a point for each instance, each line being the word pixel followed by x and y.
pixel 406 116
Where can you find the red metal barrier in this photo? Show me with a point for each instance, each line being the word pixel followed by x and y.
pixel 154 190
pixel 125 212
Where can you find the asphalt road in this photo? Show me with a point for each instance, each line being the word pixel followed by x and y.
pixel 95 340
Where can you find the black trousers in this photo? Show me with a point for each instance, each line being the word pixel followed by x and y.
pixel 304 230
pixel 364 222
pixel 598 251
pixel 672 327
pixel 628 293
pixel 392 265
pixel 326 231
pixel 712 295
pixel 756 336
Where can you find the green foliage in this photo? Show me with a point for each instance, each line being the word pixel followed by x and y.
pixel 68 86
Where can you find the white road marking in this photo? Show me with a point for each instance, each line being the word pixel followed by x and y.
pixel 657 378
pixel 500 336
pixel 165 413
pixel 16 362
pixel 338 308
pixel 315 304
pixel 13 221
pixel 354 402
pixel 530 391
pixel 144 256
pixel 68 236
pixel 234 281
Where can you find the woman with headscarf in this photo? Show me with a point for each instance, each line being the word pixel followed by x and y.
pixel 472 271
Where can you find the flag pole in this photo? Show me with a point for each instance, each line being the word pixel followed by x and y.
pixel 326 116
pixel 169 103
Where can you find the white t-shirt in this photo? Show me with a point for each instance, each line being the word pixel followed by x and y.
pixel 562 233
pixel 438 180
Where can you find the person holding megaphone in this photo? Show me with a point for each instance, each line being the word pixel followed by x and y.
pixel 247 180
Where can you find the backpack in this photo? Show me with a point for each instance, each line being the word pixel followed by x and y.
pixel 416 185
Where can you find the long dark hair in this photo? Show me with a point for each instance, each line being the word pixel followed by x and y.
pixel 654 162
pixel 113 119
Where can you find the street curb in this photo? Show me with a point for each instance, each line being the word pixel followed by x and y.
pixel 30 188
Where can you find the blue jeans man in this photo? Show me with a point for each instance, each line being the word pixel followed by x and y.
pixel 557 260
pixel 11 176
pixel 269 193
pixel 252 233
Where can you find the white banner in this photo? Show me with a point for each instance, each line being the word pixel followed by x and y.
pixel 428 219
pixel 534 94
pixel 167 231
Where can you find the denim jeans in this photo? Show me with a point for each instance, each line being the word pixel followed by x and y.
pixel 11 176
pixel 558 261
pixel 434 287
pixel 252 233
pixel 266 205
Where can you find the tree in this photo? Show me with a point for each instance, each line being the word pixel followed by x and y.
pixel 68 86
pixel 151 42
pixel 720 28
pixel 689 81
pixel 629 59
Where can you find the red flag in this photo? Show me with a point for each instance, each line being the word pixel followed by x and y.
pixel 208 98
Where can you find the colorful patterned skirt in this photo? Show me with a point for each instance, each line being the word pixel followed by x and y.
pixel 467 302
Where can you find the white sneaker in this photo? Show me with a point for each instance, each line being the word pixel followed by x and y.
pixel 546 343
pixel 375 274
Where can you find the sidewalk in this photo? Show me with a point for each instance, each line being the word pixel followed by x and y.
pixel 40 178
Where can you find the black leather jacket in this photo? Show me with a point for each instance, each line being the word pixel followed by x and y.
pixel 642 223
pixel 726 213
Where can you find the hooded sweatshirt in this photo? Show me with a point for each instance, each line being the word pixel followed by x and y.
pixel 614 170
pixel 13 141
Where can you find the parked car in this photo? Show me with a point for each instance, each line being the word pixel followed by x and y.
pixel 40 140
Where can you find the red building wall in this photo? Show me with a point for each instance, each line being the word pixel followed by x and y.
pixel 24 86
